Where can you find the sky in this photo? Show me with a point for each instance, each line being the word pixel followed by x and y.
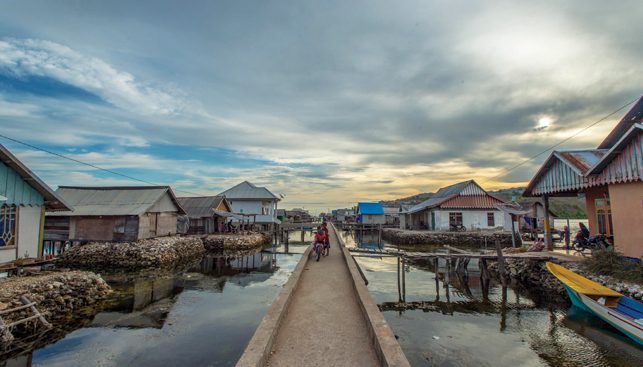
pixel 327 103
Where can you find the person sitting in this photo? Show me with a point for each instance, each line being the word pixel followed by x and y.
pixel 327 239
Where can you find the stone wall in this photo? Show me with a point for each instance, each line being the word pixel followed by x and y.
pixel 55 293
pixel 468 239
pixel 156 252
pixel 535 274
pixel 218 243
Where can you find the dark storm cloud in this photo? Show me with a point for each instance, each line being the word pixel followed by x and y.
pixel 346 87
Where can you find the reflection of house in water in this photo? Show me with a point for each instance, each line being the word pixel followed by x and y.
pixel 142 303
pixel 368 239
pixel 246 270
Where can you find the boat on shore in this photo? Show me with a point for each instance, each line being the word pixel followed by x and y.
pixel 620 311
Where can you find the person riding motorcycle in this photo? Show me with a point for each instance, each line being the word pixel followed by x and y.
pixel 320 239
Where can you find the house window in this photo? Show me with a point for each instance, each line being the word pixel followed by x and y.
pixel 603 216
pixel 455 219
pixel 491 222
pixel 7 225
pixel 370 216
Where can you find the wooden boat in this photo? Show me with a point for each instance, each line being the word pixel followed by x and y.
pixel 620 311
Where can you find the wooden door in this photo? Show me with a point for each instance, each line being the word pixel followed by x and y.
pixel 603 216
pixel 153 222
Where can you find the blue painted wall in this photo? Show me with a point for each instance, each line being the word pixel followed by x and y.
pixel 16 190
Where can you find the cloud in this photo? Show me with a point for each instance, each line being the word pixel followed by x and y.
pixel 26 58
pixel 351 99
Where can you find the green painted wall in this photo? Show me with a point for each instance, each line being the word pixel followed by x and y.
pixel 16 190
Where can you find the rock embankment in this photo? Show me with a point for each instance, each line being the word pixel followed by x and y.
pixel 54 293
pixel 531 273
pixel 535 274
pixel 218 243
pixel 468 239
pixel 155 252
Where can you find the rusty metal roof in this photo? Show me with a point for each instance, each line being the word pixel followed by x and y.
pixel 467 194
pixel 201 207
pixel 581 160
pixel 633 116
pixel 572 180
pixel 471 202
pixel 120 200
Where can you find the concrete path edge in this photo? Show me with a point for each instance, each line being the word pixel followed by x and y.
pixel 258 350
pixel 387 348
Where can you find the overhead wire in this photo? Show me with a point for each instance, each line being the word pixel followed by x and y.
pixel 93 166
pixel 199 194
pixel 561 142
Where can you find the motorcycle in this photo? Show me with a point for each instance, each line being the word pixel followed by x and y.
pixel 457 228
pixel 319 250
pixel 583 241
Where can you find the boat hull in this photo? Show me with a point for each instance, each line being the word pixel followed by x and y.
pixel 625 324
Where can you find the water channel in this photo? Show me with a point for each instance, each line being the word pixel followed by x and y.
pixel 476 323
pixel 202 316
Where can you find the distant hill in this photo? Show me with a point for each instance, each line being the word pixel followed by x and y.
pixel 572 207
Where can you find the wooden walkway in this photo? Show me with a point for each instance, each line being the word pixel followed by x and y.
pixel 452 255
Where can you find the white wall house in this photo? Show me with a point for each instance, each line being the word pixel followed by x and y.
pixel 246 198
pixel 465 204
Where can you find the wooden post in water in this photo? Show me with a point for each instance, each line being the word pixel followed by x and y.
pixel 404 280
pixel 484 273
pixel 548 240
pixel 501 262
pixel 447 271
pixel 399 285
pixel 303 231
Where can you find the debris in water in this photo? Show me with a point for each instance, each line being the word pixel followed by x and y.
pixel 171 323
pixel 436 337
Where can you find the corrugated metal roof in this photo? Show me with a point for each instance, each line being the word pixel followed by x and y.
pixel 370 208
pixel 563 171
pixel 634 115
pixel 201 207
pixel 388 210
pixel 125 200
pixel 581 160
pixel 440 196
pixel 246 190
pixel 53 201
pixel 471 202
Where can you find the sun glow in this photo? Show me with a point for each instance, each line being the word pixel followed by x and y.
pixel 544 122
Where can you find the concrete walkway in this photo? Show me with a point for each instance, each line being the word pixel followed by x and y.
pixel 324 325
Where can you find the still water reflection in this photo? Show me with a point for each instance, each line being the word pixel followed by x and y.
pixel 204 316
pixel 470 322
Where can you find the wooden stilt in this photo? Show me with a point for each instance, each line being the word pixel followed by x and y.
pixel 501 263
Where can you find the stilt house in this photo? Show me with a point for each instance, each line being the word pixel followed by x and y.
pixel 370 213
pixel 248 199
pixel 463 204
pixel 24 199
pixel 125 213
pixel 206 213
pixel 610 177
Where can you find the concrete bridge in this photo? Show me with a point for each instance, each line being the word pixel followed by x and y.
pixel 324 316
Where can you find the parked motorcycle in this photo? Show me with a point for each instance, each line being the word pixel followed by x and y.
pixel 457 228
pixel 583 241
